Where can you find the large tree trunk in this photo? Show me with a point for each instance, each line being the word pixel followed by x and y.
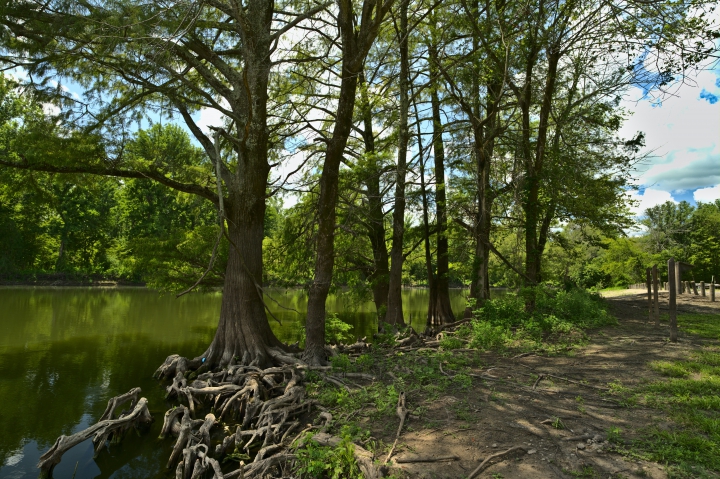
pixel 431 318
pixel 443 311
pixel 356 42
pixel 375 223
pixel 325 253
pixel 243 331
pixel 394 314
pixel 484 145
pixel 480 277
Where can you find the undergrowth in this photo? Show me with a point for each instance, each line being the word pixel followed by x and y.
pixel 558 321
pixel 318 462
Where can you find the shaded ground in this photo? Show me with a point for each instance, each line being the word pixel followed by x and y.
pixel 563 425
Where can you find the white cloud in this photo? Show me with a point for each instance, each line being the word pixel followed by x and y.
pixel 210 117
pixel 649 198
pixel 683 133
pixel 707 195
pixel 50 109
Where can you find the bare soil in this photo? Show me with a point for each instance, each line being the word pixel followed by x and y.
pixel 505 406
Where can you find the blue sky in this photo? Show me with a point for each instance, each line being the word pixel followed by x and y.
pixel 683 132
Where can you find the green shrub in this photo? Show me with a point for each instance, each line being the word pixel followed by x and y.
pixel 486 336
pixel 450 342
pixel 559 317
pixel 314 461
pixel 336 331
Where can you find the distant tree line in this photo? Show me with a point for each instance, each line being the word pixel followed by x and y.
pixel 679 230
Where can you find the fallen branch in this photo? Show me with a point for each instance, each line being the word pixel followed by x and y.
pixel 402 413
pixel 486 463
pixel 407 460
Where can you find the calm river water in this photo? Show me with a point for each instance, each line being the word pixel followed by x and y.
pixel 65 351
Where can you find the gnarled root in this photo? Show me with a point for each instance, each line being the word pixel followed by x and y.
pixel 100 432
pixel 178 383
pixel 118 400
pixel 173 364
pixel 187 437
pixel 171 423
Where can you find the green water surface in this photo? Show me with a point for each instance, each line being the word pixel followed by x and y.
pixel 65 351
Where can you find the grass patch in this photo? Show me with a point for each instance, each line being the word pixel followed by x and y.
pixel 690 396
pixel 704 325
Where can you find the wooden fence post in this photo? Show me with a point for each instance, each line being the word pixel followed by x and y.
pixel 672 313
pixel 694 287
pixel 648 283
pixel 676 278
pixel 712 291
pixel 702 288
pixel 656 287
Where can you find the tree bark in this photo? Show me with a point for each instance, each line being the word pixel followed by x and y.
pixel 356 42
pixel 243 326
pixel 534 169
pixel 394 314
pixel 325 252
pixel 443 311
pixel 375 224
pixel 484 134
pixel 431 319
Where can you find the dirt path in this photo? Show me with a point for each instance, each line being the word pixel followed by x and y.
pixel 563 426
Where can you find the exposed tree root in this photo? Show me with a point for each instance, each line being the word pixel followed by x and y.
pixel 262 402
pixel 102 431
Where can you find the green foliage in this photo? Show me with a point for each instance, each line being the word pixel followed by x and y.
pixel 449 342
pixel 559 319
pixel 314 461
pixel 383 398
pixel 485 335
pixel 341 362
pixel 337 331
pixel 614 435
pixel 681 231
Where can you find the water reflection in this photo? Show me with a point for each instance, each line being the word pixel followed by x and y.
pixel 65 352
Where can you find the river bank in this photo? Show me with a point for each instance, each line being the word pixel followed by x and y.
pixel 626 403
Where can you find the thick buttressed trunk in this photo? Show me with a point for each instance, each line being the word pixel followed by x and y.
pixel 375 223
pixel 243 332
pixel 442 313
pixel 394 314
